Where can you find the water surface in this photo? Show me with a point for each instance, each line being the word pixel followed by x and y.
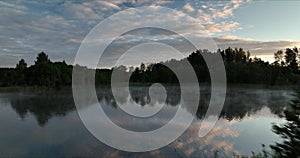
pixel 47 123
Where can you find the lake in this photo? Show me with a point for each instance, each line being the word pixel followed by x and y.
pixel 35 124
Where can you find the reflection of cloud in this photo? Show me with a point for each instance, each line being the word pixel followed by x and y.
pixel 67 136
pixel 219 139
pixel 156 153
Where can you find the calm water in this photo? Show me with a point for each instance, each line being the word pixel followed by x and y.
pixel 47 124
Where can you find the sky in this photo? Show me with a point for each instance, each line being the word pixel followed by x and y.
pixel 58 27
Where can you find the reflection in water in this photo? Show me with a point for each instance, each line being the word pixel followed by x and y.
pixel 290 131
pixel 238 104
pixel 43 105
pixel 244 124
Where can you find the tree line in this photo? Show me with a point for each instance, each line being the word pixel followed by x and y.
pixel 44 73
pixel 240 68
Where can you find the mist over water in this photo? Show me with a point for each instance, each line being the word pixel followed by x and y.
pixel 46 123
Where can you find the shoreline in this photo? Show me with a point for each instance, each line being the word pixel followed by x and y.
pixel 229 85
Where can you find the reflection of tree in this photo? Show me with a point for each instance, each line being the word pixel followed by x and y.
pixel 44 106
pixel 239 102
pixel 242 102
pixel 140 95
pixel 290 131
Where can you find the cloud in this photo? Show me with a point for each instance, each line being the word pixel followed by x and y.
pixel 225 13
pixel 262 49
pixel 214 15
pixel 80 11
pixel 58 27
pixel 74 40
pixel 228 37
pixel 187 7
pixel 204 6
pixel 222 27
pixel 12 7
pixel 110 5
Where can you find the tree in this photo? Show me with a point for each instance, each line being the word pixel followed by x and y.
pixel 240 55
pixel 47 74
pixel 142 67
pixel 196 58
pixel 44 74
pixel 279 58
pixel 42 57
pixel 20 73
pixel 248 56
pixel 291 60
pixel 295 49
pixel 21 65
pixel 229 53
pixel 222 53
pixel 290 131
pixel 240 68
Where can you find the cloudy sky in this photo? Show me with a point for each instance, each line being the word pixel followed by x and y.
pixel 58 27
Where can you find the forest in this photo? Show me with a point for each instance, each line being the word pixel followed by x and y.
pixel 240 68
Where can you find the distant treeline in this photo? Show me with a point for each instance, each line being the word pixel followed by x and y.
pixel 240 68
